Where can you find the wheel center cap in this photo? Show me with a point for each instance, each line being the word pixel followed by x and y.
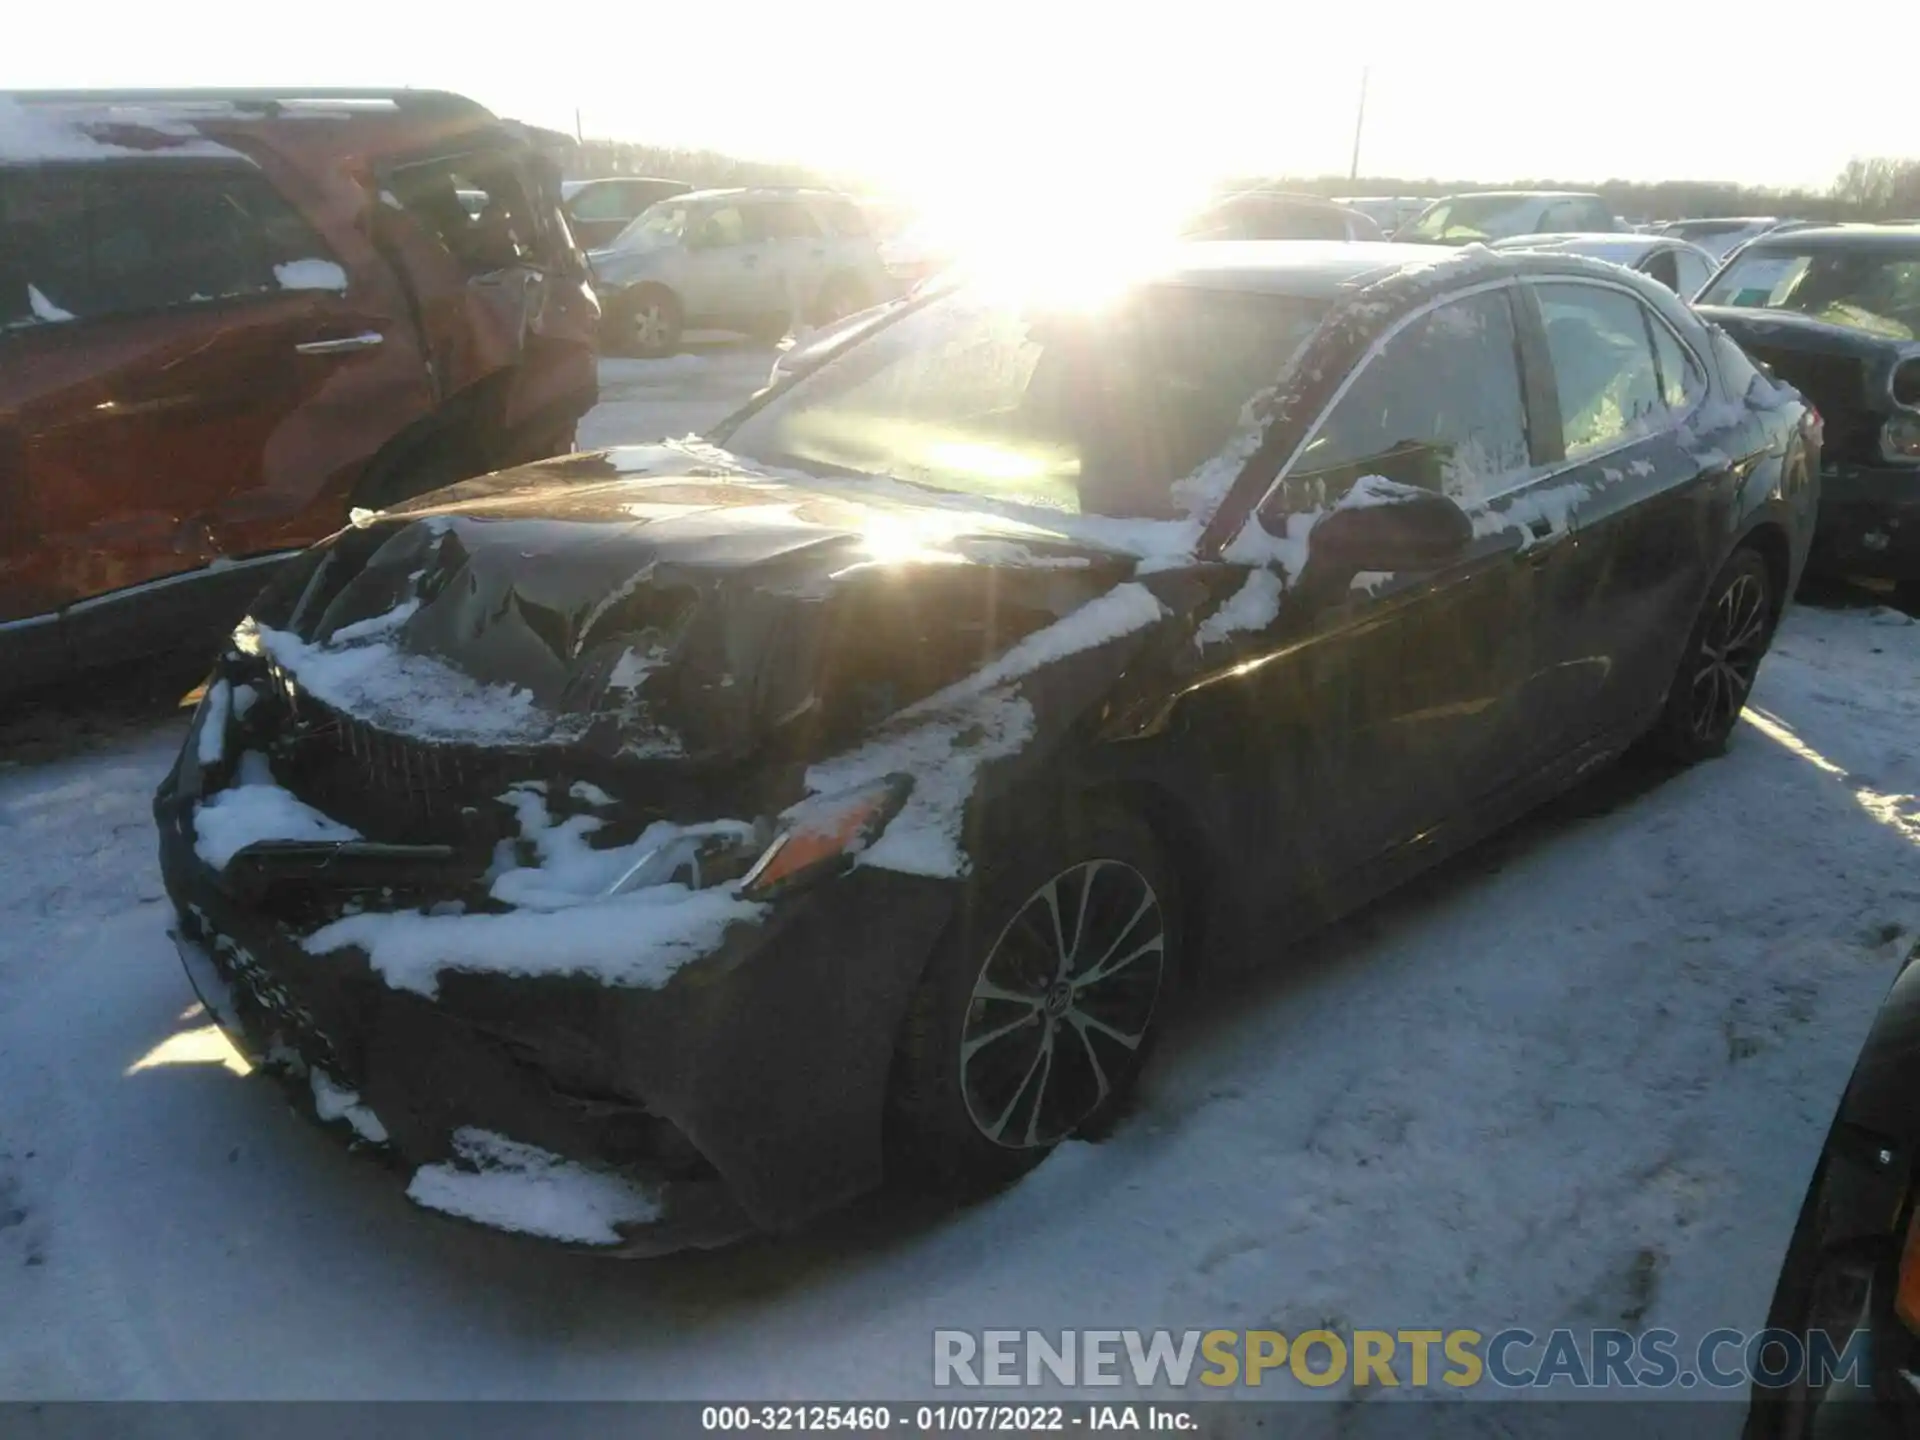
pixel 1059 998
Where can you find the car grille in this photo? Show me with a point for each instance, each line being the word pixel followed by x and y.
pixel 1838 387
pixel 387 786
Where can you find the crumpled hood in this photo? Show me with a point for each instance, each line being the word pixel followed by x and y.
pixel 666 603
pixel 1780 330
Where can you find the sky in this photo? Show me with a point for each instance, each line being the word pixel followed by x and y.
pixel 954 98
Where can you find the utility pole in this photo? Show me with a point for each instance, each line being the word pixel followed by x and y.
pixel 578 133
pixel 1359 124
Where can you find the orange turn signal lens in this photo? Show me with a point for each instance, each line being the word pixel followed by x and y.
pixel 824 833
pixel 1906 1294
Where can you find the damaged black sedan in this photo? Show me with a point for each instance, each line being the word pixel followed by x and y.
pixel 1836 312
pixel 652 846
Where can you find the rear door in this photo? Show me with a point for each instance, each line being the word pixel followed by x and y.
pixel 189 377
pixel 795 260
pixel 1624 525
pixel 728 278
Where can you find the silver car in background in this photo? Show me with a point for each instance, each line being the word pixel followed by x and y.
pixel 756 260
pixel 1682 267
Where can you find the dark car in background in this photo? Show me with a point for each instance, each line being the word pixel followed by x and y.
pixel 1257 214
pixel 1497 214
pixel 1849 1288
pixel 598 210
pixel 712 829
pixel 1836 312
pixel 229 317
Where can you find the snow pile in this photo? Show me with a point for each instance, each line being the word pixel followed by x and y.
pixel 363 673
pixel 943 740
pixel 334 1101
pixel 45 309
pixel 313 274
pixel 253 810
pixel 513 1186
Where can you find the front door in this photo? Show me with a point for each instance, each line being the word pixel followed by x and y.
pixel 1386 709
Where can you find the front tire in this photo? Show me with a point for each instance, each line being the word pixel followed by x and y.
pixel 1038 1007
pixel 840 297
pixel 645 323
pixel 1717 670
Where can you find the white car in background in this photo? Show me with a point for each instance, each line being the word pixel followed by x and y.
pixel 1721 235
pixel 1680 266
pixel 1483 216
pixel 1389 212
pixel 758 260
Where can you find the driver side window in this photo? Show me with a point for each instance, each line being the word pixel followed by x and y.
pixel 1439 407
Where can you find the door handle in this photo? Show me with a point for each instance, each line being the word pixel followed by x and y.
pixel 749 259
pixel 340 346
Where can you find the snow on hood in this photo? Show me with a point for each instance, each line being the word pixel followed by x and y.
pixel 945 739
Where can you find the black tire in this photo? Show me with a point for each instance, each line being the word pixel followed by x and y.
pixel 981 1093
pixel 645 323
pixel 840 297
pixel 1717 669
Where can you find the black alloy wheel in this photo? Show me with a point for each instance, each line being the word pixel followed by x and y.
pixel 1039 1006
pixel 1721 661
pixel 1063 1001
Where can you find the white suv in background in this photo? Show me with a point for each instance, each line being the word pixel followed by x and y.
pixel 755 260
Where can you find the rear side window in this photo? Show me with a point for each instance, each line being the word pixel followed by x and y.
pixel 1681 383
pixel 103 241
pixel 1439 407
pixel 781 220
pixel 844 219
pixel 1603 367
pixel 604 202
pixel 477 206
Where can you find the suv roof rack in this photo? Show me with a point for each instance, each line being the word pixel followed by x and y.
pixel 268 101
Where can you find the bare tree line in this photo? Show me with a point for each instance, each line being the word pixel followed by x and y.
pixel 1869 188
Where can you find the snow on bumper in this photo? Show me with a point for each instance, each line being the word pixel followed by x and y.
pixel 739 1088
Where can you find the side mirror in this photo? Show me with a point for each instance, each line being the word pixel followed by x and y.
pixel 1381 524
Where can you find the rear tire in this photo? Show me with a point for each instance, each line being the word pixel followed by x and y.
pixel 840 297
pixel 644 323
pixel 1717 670
pixel 1039 1005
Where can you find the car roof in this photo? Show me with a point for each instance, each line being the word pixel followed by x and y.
pixel 1839 237
pixel 1620 247
pixel 1522 195
pixel 764 192
pixel 38 126
pixel 1322 269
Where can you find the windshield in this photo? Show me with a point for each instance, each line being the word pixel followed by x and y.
pixel 1475 217
pixel 1085 412
pixel 1874 291
pixel 659 224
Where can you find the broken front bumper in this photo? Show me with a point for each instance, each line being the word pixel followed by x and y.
pixel 1869 522
pixel 747 1093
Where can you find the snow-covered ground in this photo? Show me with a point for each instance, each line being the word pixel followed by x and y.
pixel 1578 1078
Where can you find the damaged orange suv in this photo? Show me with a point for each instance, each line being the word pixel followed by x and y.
pixel 228 318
